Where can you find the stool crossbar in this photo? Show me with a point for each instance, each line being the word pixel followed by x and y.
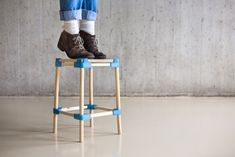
pixel 82 64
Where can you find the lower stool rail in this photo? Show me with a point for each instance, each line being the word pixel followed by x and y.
pixel 108 112
pixel 103 108
pixel 67 113
pixel 101 114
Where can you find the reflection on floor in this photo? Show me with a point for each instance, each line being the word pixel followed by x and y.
pixel 164 127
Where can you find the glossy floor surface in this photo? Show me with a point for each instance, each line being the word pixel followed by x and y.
pixel 152 127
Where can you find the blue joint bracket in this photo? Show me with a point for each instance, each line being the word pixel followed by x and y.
pixel 57 110
pixel 117 112
pixel 85 116
pixel 58 62
pixel 90 106
pixel 115 63
pixel 82 63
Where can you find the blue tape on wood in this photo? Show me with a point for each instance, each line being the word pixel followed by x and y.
pixel 57 110
pixel 82 63
pixel 117 112
pixel 58 62
pixel 90 106
pixel 115 63
pixel 82 116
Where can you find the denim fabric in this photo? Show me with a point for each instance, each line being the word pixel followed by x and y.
pixel 77 9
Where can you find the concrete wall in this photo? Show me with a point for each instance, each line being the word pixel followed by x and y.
pixel 166 47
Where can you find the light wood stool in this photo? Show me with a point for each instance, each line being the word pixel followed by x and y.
pixel 82 64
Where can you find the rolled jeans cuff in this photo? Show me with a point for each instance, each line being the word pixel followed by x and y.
pixel 70 15
pixel 88 15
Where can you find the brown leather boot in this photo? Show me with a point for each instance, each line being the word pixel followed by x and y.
pixel 90 44
pixel 72 44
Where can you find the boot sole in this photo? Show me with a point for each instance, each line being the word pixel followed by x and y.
pixel 99 57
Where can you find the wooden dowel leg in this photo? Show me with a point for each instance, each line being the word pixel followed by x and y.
pixel 91 100
pixel 56 98
pixel 81 130
pixel 118 101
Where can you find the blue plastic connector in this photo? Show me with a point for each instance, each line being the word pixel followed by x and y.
pixel 82 116
pixel 82 63
pixel 58 62
pixel 117 112
pixel 115 63
pixel 90 106
pixel 57 110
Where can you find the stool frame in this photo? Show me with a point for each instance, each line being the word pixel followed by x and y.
pixel 82 64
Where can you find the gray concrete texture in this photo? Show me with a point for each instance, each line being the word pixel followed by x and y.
pixel 177 47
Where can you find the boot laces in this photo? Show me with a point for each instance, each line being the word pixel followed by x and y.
pixel 78 42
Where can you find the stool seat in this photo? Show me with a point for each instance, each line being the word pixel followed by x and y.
pixel 92 62
pixel 82 64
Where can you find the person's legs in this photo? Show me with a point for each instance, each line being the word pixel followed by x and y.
pixel 89 10
pixel 87 28
pixel 71 26
pixel 70 40
pixel 70 13
pixel 70 10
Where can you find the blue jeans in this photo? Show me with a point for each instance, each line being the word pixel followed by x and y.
pixel 77 9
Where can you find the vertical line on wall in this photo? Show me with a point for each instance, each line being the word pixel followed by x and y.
pixel 18 47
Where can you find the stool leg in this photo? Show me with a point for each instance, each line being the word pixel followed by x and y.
pixel 81 130
pixel 118 102
pixel 56 98
pixel 91 100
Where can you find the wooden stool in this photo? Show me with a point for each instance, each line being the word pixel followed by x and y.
pixel 82 64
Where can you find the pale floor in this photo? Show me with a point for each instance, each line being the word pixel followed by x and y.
pixel 152 127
